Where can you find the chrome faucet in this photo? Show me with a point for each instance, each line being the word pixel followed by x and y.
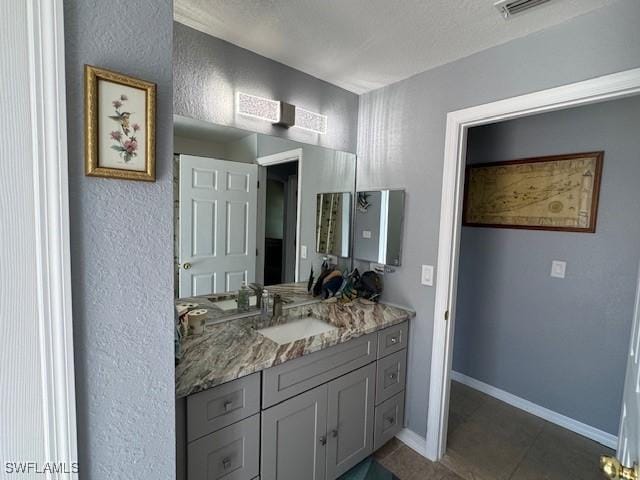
pixel 257 289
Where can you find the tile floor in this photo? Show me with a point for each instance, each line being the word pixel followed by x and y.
pixel 490 440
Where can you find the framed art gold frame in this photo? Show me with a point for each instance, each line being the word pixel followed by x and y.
pixel 125 144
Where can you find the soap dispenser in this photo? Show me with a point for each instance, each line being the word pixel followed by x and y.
pixel 243 297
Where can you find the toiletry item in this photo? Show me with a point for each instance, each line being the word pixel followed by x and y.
pixel 277 306
pixel 197 319
pixel 177 341
pixel 243 297
pixel 310 282
pixel 264 304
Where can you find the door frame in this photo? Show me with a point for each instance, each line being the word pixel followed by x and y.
pixel 275 159
pixel 608 87
pixel 45 30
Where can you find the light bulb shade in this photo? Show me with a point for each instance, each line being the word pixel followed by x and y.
pixel 258 107
pixel 311 121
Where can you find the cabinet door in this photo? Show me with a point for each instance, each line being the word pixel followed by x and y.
pixel 350 420
pixel 294 437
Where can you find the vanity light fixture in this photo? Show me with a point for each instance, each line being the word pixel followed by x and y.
pixel 281 114
pixel 287 115
pixel 258 107
pixel 311 121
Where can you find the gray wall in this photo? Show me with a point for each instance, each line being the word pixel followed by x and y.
pixel 121 249
pixel 550 340
pixel 208 72
pixel 401 141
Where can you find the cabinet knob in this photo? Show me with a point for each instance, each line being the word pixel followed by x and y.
pixel 390 419
pixel 334 432
pixel 394 340
pixel 226 463
pixel 393 375
pixel 227 405
pixel 323 440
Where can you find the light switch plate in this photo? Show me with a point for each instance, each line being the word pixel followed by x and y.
pixel 558 269
pixel 303 251
pixel 427 275
pixel 366 234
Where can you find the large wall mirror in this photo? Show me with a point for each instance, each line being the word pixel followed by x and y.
pixel 252 208
pixel 379 217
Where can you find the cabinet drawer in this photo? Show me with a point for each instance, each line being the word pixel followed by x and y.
pixel 390 380
pixel 389 419
pixel 223 405
pixel 230 453
pixel 296 376
pixel 392 339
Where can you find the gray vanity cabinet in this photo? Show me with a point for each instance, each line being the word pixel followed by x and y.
pixel 294 438
pixel 310 418
pixel 350 420
pixel 322 433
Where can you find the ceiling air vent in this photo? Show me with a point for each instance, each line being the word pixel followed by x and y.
pixel 508 8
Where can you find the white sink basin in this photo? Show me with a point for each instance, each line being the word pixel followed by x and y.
pixel 296 330
pixel 233 303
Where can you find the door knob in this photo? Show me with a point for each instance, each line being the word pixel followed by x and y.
pixel 186 265
pixel 614 470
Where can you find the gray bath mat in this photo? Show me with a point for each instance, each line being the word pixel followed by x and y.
pixel 369 469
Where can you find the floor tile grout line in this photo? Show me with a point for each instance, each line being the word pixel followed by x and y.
pixel 526 452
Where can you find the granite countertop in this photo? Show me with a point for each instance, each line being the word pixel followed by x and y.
pixel 292 293
pixel 231 349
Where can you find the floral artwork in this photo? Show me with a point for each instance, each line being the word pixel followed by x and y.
pixel 120 125
pixel 124 137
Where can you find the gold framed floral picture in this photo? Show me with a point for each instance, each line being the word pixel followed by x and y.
pixel 120 125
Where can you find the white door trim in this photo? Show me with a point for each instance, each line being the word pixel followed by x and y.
pixel 284 157
pixel 598 89
pixel 53 258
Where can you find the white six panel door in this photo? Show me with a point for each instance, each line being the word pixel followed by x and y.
pixel 217 235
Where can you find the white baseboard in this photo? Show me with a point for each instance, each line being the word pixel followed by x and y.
pixel 580 428
pixel 414 441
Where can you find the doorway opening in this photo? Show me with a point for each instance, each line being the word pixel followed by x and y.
pixel 542 302
pixel 281 223
pixel 459 123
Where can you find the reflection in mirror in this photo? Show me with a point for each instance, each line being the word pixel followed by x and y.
pixel 245 207
pixel 378 226
pixel 333 223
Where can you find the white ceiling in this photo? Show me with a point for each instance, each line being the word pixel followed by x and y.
pixel 361 45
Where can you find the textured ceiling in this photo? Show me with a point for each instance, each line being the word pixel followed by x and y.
pixel 361 45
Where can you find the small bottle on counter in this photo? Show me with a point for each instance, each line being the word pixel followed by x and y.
pixel 243 297
pixel 264 304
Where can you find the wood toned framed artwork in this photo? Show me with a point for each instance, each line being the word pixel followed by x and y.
pixel 120 125
pixel 557 193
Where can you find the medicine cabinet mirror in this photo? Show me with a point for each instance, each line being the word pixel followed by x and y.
pixel 379 217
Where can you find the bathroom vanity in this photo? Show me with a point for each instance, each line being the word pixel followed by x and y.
pixel 313 387
pixel 255 401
